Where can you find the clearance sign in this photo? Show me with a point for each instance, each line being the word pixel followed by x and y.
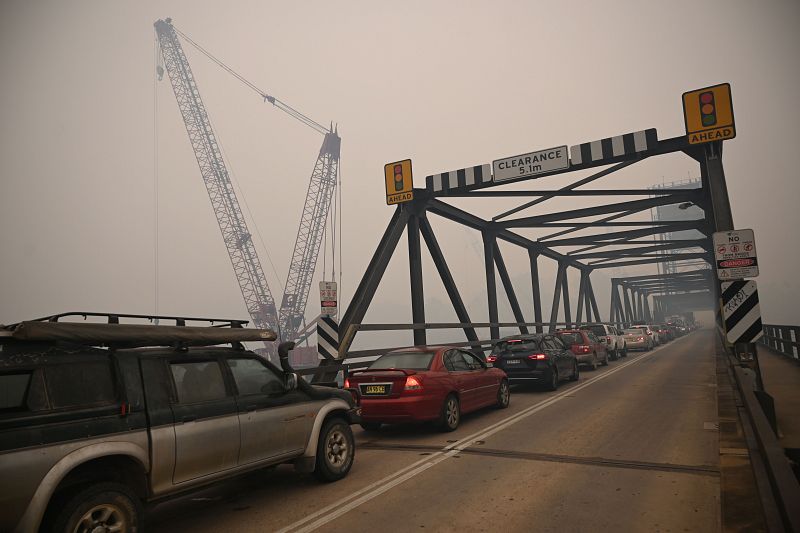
pixel 399 182
pixel 708 114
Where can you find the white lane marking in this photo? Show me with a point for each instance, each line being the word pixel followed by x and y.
pixel 373 490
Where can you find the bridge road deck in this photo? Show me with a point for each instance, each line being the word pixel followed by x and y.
pixel 630 447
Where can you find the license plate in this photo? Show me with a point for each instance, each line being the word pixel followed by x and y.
pixel 513 361
pixel 375 390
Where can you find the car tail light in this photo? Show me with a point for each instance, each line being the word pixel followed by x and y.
pixel 649 332
pixel 608 340
pixel 347 383
pixel 413 384
pixel 510 341
pixel 537 356
pixel 583 348
pixel 641 338
pixel 491 359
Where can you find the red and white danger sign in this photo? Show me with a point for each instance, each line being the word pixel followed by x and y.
pixel 735 254
pixel 328 298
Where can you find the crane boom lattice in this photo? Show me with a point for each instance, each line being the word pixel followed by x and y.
pixel 241 250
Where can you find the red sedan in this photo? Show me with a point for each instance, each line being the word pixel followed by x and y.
pixel 586 346
pixel 427 384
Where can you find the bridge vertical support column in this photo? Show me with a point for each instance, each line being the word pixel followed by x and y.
pixel 629 318
pixel 614 312
pixel 581 300
pixel 446 276
pixel 592 299
pixel 648 316
pixel 557 295
pixel 537 295
pixel 489 242
pixel 415 270
pixel 509 288
pixel 565 289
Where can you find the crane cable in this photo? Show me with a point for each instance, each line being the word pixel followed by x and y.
pixel 156 57
pixel 283 106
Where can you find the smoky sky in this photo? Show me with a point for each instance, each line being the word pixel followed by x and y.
pixel 102 206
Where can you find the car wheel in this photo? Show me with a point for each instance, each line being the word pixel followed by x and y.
pixel 335 450
pixel 450 416
pixel 605 361
pixel 593 364
pixel 625 351
pixel 576 373
pixel 101 507
pixel 503 395
pixel 553 383
pixel 371 426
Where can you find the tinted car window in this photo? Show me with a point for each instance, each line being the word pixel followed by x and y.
pixel 515 345
pixel 471 361
pixel 198 382
pixel 559 344
pixel 454 361
pixel 80 384
pixel 408 360
pixel 635 331
pixel 592 336
pixel 253 377
pixel 571 338
pixel 13 389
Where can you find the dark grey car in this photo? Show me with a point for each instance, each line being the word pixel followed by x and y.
pixel 540 359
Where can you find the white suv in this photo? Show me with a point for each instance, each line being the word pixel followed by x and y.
pixel 611 337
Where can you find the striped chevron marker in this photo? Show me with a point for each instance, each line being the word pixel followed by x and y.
pixel 613 147
pixel 463 177
pixel 327 337
pixel 741 311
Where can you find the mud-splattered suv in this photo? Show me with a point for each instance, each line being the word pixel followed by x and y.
pixel 98 418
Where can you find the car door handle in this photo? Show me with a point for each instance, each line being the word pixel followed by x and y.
pixel 189 418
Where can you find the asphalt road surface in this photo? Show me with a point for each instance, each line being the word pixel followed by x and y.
pixel 630 447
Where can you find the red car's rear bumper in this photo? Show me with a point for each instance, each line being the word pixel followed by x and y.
pixel 403 409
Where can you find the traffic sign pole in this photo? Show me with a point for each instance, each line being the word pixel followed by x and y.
pixel 713 176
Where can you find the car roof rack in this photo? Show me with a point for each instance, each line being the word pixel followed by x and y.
pixel 115 334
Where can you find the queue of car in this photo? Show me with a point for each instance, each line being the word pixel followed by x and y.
pixel 438 384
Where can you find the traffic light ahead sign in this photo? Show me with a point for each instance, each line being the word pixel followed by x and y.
pixel 399 182
pixel 708 114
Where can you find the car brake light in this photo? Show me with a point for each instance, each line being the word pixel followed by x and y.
pixel 537 356
pixel 641 338
pixel 510 341
pixel 649 332
pixel 608 340
pixel 412 383
pixel 491 358
pixel 347 383
pixel 584 348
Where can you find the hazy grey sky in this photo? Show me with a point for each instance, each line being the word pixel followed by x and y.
pixel 448 84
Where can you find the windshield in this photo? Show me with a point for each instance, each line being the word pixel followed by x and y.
pixel 515 345
pixel 571 338
pixel 407 360
pixel 634 332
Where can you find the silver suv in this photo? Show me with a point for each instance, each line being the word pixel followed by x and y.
pixel 97 418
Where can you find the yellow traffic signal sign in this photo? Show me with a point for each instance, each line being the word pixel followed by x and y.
pixel 399 182
pixel 708 114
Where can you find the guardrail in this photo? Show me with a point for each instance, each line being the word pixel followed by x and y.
pixel 782 339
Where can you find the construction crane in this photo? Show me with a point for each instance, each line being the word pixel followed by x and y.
pixel 322 185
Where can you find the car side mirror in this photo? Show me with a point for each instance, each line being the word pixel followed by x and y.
pixel 290 381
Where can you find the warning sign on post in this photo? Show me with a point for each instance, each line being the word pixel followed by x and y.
pixel 708 114
pixel 399 182
pixel 329 302
pixel 735 254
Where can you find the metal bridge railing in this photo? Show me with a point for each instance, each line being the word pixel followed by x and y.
pixel 782 339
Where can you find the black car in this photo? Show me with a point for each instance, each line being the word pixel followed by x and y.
pixel 535 359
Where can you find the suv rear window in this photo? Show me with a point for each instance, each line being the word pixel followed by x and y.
pixel 198 381
pixel 12 390
pixel 597 330
pixel 571 338
pixel 407 360
pixel 78 384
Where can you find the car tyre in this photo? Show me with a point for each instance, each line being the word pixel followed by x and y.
pixel 104 506
pixel 605 361
pixel 593 364
pixel 503 395
pixel 336 450
pixel 553 383
pixel 625 351
pixel 576 373
pixel 450 417
pixel 371 426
